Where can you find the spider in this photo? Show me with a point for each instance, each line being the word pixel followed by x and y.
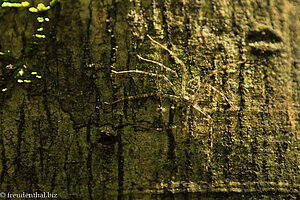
pixel 186 90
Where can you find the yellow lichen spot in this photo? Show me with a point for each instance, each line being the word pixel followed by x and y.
pixel 27 81
pixel 39 36
pixel 33 73
pixel 41 7
pixel 16 5
pixel 11 5
pixel 40 29
pixel 20 81
pixel 53 2
pixel 40 19
pixel 4 52
pixel 25 66
pixel 4 89
pixel 25 3
pixel 21 72
pixel 33 9
pixel 38 76
pixel 6 4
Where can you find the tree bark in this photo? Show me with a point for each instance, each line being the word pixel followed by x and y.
pixel 62 133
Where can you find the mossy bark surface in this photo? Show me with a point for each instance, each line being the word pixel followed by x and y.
pixel 60 134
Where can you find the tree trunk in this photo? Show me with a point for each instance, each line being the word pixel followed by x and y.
pixel 77 123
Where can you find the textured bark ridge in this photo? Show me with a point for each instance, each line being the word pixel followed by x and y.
pixel 71 126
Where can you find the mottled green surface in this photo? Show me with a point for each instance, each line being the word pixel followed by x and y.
pixel 60 134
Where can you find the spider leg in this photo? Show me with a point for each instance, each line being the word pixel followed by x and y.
pixel 197 93
pixel 211 145
pixel 143 96
pixel 221 68
pixel 136 71
pixel 186 124
pixel 193 79
pixel 197 107
pixel 211 138
pixel 177 60
pixel 149 74
pixel 222 94
pixel 133 97
pixel 159 64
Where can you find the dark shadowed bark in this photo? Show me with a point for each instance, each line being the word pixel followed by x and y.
pixel 75 123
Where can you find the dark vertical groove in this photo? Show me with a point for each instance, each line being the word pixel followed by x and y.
pixel 21 129
pixel 171 139
pixel 66 171
pixel 241 89
pixel 172 144
pixel 53 180
pixel 3 160
pixel 214 7
pixel 88 129
pixel 120 162
pixel 209 165
pixel 111 33
pixel 46 107
pixel 54 41
pixel 228 151
pixel 2 146
pixel 90 63
pixel 254 154
pixel 188 35
pixel 88 32
pixel 265 119
pixel 165 5
pixel 111 17
pixel 188 159
pixel 41 143
pixel 111 22
pixel 89 160
pixel 50 136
